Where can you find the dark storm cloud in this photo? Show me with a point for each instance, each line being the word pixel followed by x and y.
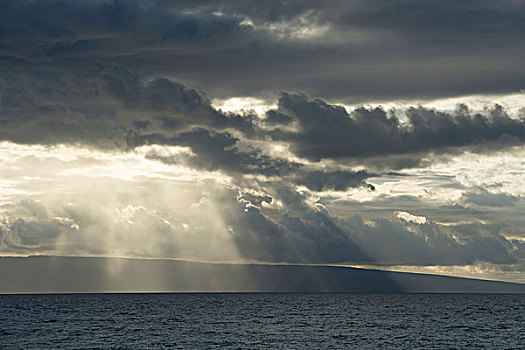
pixel 308 233
pixel 329 131
pixel 108 28
pixel 353 50
pixel 115 108
pixel 220 151
pixel 336 180
pixel 104 109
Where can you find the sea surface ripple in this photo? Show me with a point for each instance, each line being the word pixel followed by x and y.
pixel 262 321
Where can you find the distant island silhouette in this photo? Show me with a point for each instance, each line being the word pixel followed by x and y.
pixel 47 274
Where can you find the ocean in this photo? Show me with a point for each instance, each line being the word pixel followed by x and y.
pixel 262 321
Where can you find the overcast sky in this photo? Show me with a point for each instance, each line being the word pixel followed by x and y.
pixel 366 133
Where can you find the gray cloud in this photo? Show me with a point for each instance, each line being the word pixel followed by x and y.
pixel 220 151
pixel 329 131
pixel 337 180
pixel 107 109
pixel 115 108
pixel 482 197
pixel 355 50
pixel 115 104
pixel 301 232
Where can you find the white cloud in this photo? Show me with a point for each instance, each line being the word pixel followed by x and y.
pixel 403 215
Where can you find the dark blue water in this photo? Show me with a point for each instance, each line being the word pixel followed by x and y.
pixel 262 321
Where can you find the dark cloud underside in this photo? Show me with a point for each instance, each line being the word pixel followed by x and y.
pixel 115 108
pixel 353 50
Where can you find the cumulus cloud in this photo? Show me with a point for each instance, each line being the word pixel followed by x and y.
pixel 403 215
pixel 107 109
pixel 300 232
pixel 329 131
pixel 115 108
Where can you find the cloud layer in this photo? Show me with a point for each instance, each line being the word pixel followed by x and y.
pixel 110 144
pixel 356 51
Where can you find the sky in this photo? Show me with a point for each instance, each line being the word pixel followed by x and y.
pixel 384 134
